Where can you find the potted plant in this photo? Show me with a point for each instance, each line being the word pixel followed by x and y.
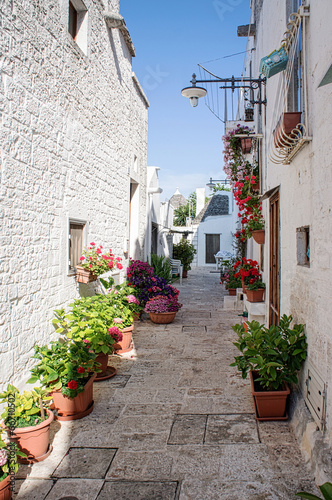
pixel 235 165
pixel 67 369
pixel 273 357
pixel 9 454
pixel 88 321
pixel 96 261
pixel 185 252
pixel 232 284
pixel 255 291
pixel 161 309
pixel 32 421
pixel 286 130
pixel 247 270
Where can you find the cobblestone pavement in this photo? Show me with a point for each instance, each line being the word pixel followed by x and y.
pixel 176 422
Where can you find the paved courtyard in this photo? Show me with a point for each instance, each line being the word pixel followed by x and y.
pixel 176 422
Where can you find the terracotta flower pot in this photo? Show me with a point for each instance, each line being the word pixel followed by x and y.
pixel 246 145
pixel 84 276
pixel 5 491
pixel 255 295
pixel 77 407
pixel 34 440
pixel 232 291
pixel 283 136
pixel 137 316
pixel 269 405
pixel 106 371
pixel 259 236
pixel 124 345
pixel 244 287
pixel 184 274
pixel 162 318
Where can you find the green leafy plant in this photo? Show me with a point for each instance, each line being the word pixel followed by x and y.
pixel 29 406
pixel 275 353
pixel 65 365
pixel 185 252
pixel 233 283
pixel 325 488
pixel 8 458
pixel 161 267
pixel 256 285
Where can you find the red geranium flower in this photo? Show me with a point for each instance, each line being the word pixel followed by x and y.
pixel 72 384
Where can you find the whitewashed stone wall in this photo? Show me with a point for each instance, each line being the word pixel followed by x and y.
pixel 72 124
pixel 305 186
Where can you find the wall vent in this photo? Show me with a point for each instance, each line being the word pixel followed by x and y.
pixel 315 397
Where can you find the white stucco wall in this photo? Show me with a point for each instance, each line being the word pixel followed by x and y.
pixel 71 127
pixel 305 185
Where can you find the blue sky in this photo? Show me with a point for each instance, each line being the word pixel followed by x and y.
pixel 170 38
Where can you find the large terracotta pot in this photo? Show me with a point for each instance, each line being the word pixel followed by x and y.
pixel 5 491
pixel 84 276
pixel 259 236
pixel 77 407
pixel 269 405
pixel 125 345
pixel 162 318
pixel 34 440
pixel 255 295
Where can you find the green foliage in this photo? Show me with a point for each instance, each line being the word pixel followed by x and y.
pixel 185 252
pixel 276 353
pixel 256 285
pixel 62 362
pixel 220 187
pixel 161 267
pixel 326 490
pixel 8 458
pixel 234 283
pixel 27 405
pixel 184 211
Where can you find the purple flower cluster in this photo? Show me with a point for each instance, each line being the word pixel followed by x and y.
pixel 147 287
pixel 139 268
pixel 161 304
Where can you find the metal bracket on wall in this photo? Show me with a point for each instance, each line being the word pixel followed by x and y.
pixel 315 397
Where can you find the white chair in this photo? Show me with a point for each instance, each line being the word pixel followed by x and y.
pixel 177 268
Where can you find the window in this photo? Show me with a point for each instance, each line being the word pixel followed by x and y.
pixel 303 246
pixel 78 23
pixel 76 242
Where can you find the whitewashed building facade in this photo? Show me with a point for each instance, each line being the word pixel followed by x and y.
pixel 296 189
pixel 73 159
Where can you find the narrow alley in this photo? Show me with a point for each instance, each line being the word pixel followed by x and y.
pixel 176 422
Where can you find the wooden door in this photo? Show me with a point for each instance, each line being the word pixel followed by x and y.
pixel 212 246
pixel 274 260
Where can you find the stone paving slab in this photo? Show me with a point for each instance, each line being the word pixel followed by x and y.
pixel 176 387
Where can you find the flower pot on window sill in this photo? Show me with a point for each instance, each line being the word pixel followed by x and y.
pixel 246 145
pixel 84 276
pixel 259 236
pixel 255 295
pixel 283 135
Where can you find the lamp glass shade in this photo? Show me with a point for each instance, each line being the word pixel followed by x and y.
pixel 194 101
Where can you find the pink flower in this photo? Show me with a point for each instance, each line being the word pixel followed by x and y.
pixel 92 244
pixel 119 266
pixel 114 330
pixel 82 258
pixel 117 320
pixel 98 251
pixel 90 265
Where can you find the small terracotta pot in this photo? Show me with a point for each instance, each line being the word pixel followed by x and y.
pixel 269 405
pixel 107 371
pixel 283 135
pixel 77 407
pixel 84 276
pixel 34 440
pixel 232 291
pixel 125 345
pixel 5 491
pixel 162 318
pixel 245 326
pixel 246 145
pixel 255 295
pixel 259 236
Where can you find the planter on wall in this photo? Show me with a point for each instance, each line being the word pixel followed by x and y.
pixel 255 295
pixel 269 405
pixel 259 236
pixel 84 276
pixel 34 440
pixel 282 134
pixel 162 318
pixel 77 407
